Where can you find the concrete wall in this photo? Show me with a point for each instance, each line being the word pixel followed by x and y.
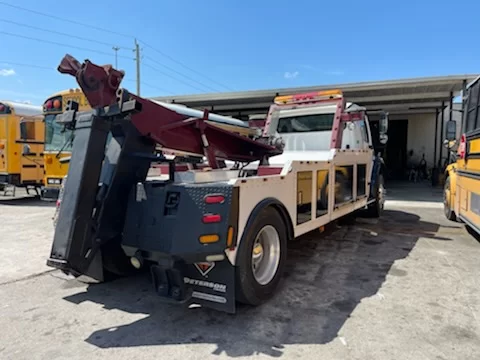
pixel 421 133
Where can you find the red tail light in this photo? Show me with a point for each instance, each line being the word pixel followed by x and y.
pixel 214 199
pixel 58 203
pixel 211 218
pixel 462 147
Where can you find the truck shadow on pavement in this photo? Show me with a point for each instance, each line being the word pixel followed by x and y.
pixel 26 201
pixel 327 276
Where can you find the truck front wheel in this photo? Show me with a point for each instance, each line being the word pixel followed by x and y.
pixel 375 209
pixel 261 258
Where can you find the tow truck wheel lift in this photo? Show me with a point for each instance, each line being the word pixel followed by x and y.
pixel 212 235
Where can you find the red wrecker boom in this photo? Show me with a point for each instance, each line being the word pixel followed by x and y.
pixel 95 228
pixel 172 130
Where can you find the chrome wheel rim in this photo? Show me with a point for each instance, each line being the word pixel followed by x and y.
pixel 381 194
pixel 446 196
pixel 266 255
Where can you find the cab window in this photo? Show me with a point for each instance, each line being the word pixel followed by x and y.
pixel 305 123
pixel 472 115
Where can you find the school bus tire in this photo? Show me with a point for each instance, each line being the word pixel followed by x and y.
pixel 447 201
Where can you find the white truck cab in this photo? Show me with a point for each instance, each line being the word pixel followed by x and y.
pixel 307 133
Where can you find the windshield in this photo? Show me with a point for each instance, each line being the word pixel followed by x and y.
pixel 56 137
pixel 305 123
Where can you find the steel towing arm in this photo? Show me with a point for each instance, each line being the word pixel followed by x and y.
pixel 92 217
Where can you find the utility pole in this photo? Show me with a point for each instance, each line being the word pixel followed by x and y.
pixel 116 48
pixel 137 59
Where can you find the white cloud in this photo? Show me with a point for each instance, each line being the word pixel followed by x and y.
pixel 28 102
pixel 7 72
pixel 335 72
pixel 309 67
pixel 331 72
pixel 291 75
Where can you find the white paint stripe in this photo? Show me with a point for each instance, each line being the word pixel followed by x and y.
pixel 413 204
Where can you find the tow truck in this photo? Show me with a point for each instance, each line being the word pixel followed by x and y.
pixel 213 231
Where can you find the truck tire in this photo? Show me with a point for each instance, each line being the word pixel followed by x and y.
pixel 447 206
pixel 375 209
pixel 261 258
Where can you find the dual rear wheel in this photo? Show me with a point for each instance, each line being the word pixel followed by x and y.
pixel 261 258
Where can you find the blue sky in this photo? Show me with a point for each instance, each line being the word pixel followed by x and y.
pixel 237 45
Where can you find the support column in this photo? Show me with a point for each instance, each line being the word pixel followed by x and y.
pixel 464 99
pixel 435 167
pixel 436 139
pixel 442 125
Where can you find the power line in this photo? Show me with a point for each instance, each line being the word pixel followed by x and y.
pixel 65 20
pixel 27 65
pixel 41 67
pixel 61 44
pixel 172 77
pixel 185 66
pixel 119 34
pixel 61 33
pixel 150 86
pixel 179 73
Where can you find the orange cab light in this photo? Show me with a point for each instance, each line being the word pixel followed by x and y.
pixel 211 218
pixel 49 161
pixel 214 199
pixel 313 96
pixel 208 239
pixel 230 237
pixel 2 146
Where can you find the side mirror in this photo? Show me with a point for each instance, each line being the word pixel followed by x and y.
pixel 383 128
pixel 449 143
pixel 451 130
pixel 23 130
pixel 26 150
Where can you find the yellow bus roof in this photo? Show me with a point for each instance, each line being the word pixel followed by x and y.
pixel 22 109
pixel 65 92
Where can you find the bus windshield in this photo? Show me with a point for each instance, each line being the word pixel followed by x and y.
pixel 56 137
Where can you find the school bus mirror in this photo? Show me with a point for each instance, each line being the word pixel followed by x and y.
pixel 451 131
pixel 26 150
pixel 383 124
pixel 449 143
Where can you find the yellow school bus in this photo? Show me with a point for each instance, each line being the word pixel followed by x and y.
pixel 21 146
pixel 462 185
pixel 58 141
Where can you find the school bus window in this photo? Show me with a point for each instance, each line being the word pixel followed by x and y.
pixel 472 109
pixel 27 130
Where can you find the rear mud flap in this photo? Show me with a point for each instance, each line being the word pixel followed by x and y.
pixel 209 284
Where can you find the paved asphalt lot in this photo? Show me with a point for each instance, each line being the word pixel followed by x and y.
pixel 404 287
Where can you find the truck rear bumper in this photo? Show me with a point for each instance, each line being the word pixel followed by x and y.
pixel 49 193
pixel 210 284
